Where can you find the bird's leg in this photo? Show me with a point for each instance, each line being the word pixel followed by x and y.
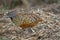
pixel 32 30
pixel 29 30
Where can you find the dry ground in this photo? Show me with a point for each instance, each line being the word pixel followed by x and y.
pixel 49 29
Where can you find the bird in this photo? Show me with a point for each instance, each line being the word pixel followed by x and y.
pixel 24 20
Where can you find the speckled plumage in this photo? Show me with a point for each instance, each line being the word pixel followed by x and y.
pixel 25 20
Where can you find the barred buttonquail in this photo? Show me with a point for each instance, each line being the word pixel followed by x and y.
pixel 24 20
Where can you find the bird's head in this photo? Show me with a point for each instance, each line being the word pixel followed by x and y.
pixel 11 14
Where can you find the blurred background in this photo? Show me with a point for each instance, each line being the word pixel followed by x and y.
pixel 8 4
